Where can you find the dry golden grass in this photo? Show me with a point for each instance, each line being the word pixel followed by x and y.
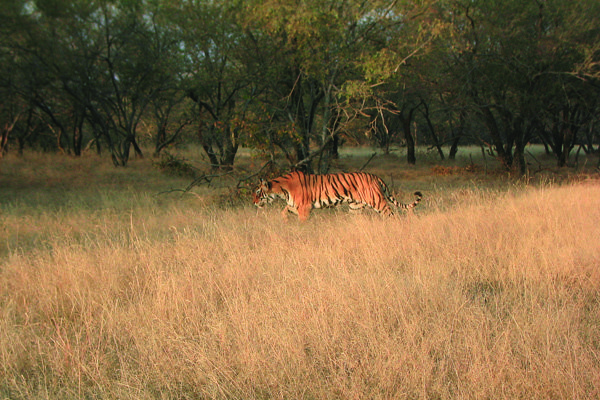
pixel 483 293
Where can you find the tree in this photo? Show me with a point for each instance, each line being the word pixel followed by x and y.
pixel 133 56
pixel 216 75
pixel 100 62
pixel 295 77
pixel 516 62
pixel 399 35
pixel 319 59
pixel 13 105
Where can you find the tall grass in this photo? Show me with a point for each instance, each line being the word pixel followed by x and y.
pixel 480 294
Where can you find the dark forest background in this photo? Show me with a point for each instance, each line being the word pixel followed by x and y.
pixel 300 78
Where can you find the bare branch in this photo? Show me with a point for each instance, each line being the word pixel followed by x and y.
pixel 268 163
pixel 368 161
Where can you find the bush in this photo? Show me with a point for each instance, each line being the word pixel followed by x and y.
pixel 172 165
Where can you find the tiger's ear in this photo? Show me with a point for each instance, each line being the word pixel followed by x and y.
pixel 265 183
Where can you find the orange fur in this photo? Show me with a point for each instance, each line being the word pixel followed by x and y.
pixel 304 192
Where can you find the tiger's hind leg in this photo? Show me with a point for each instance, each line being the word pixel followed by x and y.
pixel 356 207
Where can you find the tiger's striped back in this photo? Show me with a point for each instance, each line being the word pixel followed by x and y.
pixel 304 192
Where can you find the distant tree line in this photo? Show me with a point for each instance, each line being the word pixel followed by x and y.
pixel 299 77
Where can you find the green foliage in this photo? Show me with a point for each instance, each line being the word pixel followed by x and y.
pixel 288 76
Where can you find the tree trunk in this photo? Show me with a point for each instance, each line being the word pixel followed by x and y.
pixel 519 163
pixel 434 137
pixel 457 134
pixel 410 145
pixel 3 140
pixel 78 135
pixel 161 138
pixel 136 148
pixel 6 130
pixel 490 122
pixel 124 153
pixel 408 136
pixel 228 155
pixel 454 148
pixel 335 144
pixel 566 138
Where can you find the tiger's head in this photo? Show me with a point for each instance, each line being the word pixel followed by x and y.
pixel 263 194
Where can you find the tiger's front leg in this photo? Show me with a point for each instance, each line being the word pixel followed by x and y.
pixel 288 209
pixel 304 212
pixel 285 212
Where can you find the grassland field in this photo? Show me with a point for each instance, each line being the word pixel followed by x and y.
pixel 116 284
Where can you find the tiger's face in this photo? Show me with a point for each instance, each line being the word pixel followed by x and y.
pixel 263 195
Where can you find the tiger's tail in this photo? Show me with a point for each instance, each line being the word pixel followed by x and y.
pixel 402 206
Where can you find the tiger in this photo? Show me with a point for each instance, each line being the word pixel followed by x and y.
pixel 303 192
